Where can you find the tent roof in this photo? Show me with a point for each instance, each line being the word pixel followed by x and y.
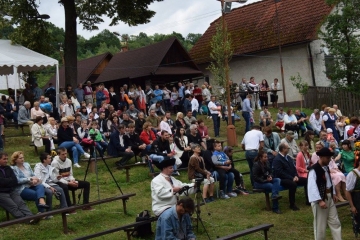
pixel 22 58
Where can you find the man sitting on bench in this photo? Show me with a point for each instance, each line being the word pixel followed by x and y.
pixel 63 171
pixel 10 200
pixel 284 168
pixel 133 140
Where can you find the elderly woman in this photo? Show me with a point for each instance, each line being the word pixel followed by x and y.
pixel 36 111
pixel 291 121
pixel 329 120
pixel 203 130
pixel 303 159
pixel 52 129
pixel 39 135
pixel 180 122
pixel 196 169
pixel 66 139
pixel 29 186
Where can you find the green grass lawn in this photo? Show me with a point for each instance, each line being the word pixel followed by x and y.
pixel 220 218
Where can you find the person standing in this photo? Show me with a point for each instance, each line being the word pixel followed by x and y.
pixel 275 86
pixel 175 222
pixel 321 195
pixel 252 142
pixel 88 92
pixel 79 92
pixel 194 105
pixel 247 111
pixel 215 111
pixel 353 192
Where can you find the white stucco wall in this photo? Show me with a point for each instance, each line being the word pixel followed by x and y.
pixel 266 65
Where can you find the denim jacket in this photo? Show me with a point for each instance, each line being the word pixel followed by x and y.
pixel 23 181
pixel 169 227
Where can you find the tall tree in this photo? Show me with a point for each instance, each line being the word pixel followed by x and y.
pixel 341 36
pixel 89 13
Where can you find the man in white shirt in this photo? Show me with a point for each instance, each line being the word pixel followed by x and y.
pixel 215 111
pixel 316 123
pixel 321 193
pixel 252 142
pixel 165 188
pixel 194 105
pixel 255 88
pixel 337 111
pixel 265 118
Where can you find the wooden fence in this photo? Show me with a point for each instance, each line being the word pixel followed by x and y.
pixel 348 103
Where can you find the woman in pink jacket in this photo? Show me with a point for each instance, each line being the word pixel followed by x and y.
pixel 303 159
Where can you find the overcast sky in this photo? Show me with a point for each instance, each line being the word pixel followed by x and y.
pixel 183 16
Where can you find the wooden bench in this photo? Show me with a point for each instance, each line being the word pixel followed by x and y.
pixel 342 204
pixel 92 162
pixel 64 211
pixel 262 227
pixel 127 228
pixel 14 125
pixel 128 167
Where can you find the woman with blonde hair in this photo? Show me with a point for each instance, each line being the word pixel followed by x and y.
pixel 36 111
pixel 180 122
pixel 39 135
pixel 303 159
pixel 29 186
pixel 329 120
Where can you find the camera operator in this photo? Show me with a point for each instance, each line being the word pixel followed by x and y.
pixel 165 188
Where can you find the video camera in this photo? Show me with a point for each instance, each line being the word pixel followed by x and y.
pixel 92 136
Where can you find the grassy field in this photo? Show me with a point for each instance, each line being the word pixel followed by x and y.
pixel 220 218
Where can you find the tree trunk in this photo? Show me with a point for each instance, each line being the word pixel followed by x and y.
pixel 70 46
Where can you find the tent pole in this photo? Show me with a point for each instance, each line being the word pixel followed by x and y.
pixel 57 85
pixel 17 78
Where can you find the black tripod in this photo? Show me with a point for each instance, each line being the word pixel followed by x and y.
pixel 199 200
pixel 93 152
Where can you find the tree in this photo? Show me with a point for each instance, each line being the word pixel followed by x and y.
pixel 341 36
pixel 301 86
pixel 89 13
pixel 220 53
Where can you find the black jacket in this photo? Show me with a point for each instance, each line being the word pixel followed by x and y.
pixel 261 171
pixel 103 123
pixel 284 169
pixel 159 147
pixel 65 135
pixel 8 181
pixel 133 140
pixel 139 125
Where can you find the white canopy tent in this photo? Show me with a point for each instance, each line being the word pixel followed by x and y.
pixel 15 59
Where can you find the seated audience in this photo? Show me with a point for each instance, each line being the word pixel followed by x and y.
pixel 338 179
pixel 329 120
pixel 284 168
pixel 10 198
pixel 29 186
pixel 51 129
pixel 170 121
pixel 100 144
pixel 340 125
pixel 102 123
pixel 316 123
pixel 84 113
pixel 154 120
pixel 66 180
pixel 303 160
pixel 132 112
pixel 223 167
pixel 139 122
pixel 24 115
pixel 157 108
pixel 312 116
pixel 39 135
pixel 293 147
pixel 164 126
pixel 239 181
pixel 309 137
pixel 346 156
pixel 203 130
pixel 263 179
pixel 118 148
pixel 315 158
pixel 302 122
pixel 36 111
pixel 291 121
pixel 66 139
pixel 180 122
pixel 113 123
pixel 126 120
pixel 196 169
pixel 133 140
pixel 271 143
pixel 182 147
pixel 45 173
pixel 265 117
pixel 160 148
pixel 194 137
pixel 12 109
pixel 147 135
pixel 189 118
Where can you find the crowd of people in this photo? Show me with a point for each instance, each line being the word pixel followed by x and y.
pixel 136 122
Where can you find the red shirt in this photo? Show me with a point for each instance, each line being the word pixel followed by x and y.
pixel 198 95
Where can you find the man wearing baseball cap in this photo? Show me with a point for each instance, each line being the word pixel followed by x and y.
pixel 321 193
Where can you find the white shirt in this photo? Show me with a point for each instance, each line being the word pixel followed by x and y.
pixel 312 188
pixel 273 85
pixel 316 124
pixel 194 104
pixel 206 93
pixel 351 180
pixel 212 105
pixel 252 139
pixel 165 126
pixel 162 194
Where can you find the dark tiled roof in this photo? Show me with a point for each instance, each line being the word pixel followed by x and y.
pixel 155 59
pixel 253 27
pixel 85 68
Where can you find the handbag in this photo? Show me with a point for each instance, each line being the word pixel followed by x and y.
pixel 87 141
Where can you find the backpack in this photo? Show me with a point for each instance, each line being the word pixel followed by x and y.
pixel 143 230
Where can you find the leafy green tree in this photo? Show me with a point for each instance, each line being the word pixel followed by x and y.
pixel 193 37
pixel 341 36
pixel 301 86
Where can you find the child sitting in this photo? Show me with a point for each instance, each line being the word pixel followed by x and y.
pixel 101 144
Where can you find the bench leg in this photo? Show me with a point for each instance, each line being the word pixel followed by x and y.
pixel 7 216
pixel 267 198
pixel 73 197
pixel 36 150
pixel 124 204
pixel 128 234
pixel 266 234
pixel 22 129
pixel 92 166
pixel 127 174
pixel 65 226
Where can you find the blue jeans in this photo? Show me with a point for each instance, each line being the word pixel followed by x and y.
pixel 226 180
pixel 250 156
pixel 75 148
pixel 49 195
pixel 101 147
pixel 156 158
pixel 303 128
pixel 34 193
pixel 272 187
pixel 216 121
pixel 246 116
pixel 194 113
